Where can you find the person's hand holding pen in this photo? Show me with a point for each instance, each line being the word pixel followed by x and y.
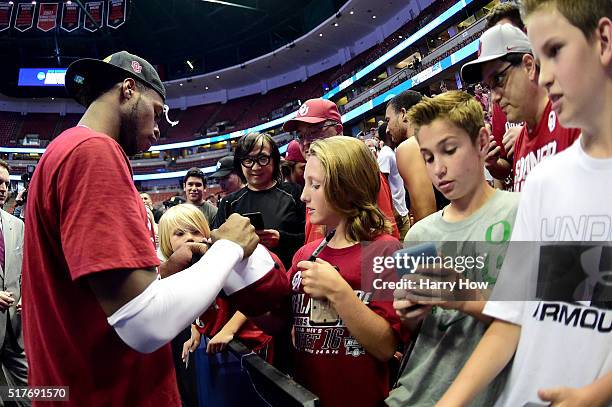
pixel 319 278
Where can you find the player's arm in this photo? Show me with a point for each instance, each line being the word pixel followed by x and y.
pixel 181 258
pixel 492 354
pixel 147 313
pixel 414 173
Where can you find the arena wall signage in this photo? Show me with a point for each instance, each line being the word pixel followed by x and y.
pixel 47 16
pixel 6 16
pixel 115 17
pixel 109 13
pixel 25 16
pixel 96 10
pixel 71 17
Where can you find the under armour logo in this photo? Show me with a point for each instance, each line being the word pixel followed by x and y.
pixel 590 263
pixel 303 110
pixel 136 67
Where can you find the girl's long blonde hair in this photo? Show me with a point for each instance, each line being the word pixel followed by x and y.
pixel 184 217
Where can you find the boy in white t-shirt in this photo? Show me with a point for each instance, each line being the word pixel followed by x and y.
pixel 562 351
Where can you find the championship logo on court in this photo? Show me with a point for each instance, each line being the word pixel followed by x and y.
pixel 552 121
pixel 303 110
pixel 136 66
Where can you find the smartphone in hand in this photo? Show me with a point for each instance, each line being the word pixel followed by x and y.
pixel 256 220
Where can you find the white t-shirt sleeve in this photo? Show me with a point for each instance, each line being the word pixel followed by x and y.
pixel 509 311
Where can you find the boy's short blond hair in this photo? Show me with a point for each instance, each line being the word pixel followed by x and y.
pixel 584 14
pixel 459 108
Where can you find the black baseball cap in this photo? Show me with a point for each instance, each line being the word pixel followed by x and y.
pixel 83 76
pixel 225 166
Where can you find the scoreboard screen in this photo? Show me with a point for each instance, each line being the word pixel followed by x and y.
pixel 41 76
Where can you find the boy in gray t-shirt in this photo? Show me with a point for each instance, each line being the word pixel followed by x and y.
pixel 454 145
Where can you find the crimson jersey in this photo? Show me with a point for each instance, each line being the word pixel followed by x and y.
pixel 77 226
pixel 547 139
pixel 313 232
pixel 328 355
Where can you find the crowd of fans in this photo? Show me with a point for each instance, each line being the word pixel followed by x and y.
pixel 414 68
pixel 287 259
pixel 176 160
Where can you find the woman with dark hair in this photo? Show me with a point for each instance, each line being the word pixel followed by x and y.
pixel 257 161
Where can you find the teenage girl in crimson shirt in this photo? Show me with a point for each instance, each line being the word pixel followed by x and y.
pixel 343 360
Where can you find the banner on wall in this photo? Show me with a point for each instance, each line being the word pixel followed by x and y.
pixel 71 17
pixel 115 17
pixel 6 16
pixel 47 16
pixel 96 10
pixel 25 16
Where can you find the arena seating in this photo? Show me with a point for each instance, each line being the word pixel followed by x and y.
pixel 10 123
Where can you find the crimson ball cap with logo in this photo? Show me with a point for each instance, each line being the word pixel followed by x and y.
pixel 314 111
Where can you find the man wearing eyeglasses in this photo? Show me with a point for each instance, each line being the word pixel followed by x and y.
pixel 318 119
pixel 507 66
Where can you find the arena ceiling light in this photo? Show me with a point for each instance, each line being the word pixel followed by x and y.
pixel 227 3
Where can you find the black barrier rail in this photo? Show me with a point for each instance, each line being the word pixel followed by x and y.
pixel 276 387
pixel 239 370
